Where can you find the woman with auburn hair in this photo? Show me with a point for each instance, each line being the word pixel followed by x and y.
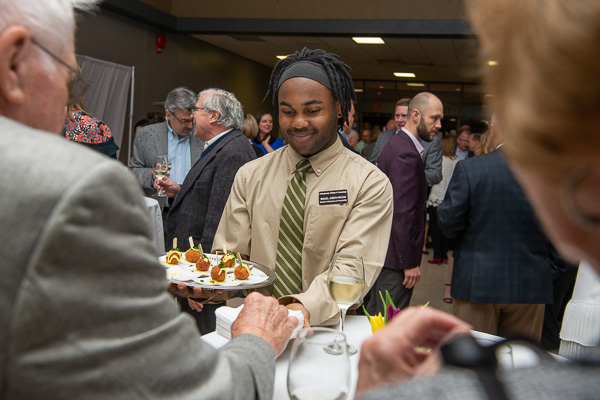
pixel 550 130
pixel 545 91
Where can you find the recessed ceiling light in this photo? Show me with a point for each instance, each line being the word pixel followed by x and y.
pixel 492 63
pixel 404 74
pixel 282 57
pixel 416 84
pixel 368 40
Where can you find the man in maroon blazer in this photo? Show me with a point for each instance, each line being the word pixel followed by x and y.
pixel 401 161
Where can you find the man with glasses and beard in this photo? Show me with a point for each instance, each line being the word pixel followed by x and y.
pixel 401 160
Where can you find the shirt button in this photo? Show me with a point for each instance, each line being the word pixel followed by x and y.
pixel 319 170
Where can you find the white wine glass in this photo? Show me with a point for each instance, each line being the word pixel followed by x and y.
pixel 346 281
pixel 316 373
pixel 160 169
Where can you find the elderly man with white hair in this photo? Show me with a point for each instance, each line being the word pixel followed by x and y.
pixel 84 307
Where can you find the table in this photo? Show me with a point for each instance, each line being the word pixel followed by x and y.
pixel 157 223
pixel 358 329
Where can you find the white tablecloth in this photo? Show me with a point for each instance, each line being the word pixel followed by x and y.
pixel 156 217
pixel 358 329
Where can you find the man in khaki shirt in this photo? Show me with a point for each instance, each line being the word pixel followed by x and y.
pixel 357 220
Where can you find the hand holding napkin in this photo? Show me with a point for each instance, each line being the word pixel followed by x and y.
pixel 226 316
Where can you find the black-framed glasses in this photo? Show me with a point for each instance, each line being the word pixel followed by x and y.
pixel 183 121
pixel 77 84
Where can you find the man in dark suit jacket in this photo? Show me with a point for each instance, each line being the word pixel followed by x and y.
pixel 200 200
pixel 401 161
pixel 502 273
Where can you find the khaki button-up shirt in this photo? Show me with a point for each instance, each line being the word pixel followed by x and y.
pixel 359 226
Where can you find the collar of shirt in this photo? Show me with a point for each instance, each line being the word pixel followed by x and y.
pixel 211 141
pixel 418 144
pixel 320 161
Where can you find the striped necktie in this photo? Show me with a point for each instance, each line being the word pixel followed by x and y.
pixel 288 264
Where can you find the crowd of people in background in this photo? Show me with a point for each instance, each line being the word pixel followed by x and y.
pixel 439 156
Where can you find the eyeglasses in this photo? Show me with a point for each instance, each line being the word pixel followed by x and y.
pixel 194 109
pixel 183 121
pixel 77 84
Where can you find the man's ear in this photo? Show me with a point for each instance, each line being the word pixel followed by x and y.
pixel 338 109
pixel 415 115
pixel 15 42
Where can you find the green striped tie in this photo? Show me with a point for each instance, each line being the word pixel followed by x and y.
pixel 288 264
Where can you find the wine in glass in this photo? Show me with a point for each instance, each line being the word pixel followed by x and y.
pixel 316 373
pixel 346 281
pixel 161 167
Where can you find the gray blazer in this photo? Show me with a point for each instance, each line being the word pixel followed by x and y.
pixel 151 141
pixel 432 158
pixel 382 140
pixel 84 310
pixel 200 202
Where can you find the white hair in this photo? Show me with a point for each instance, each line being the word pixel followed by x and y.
pixel 50 22
pixel 231 112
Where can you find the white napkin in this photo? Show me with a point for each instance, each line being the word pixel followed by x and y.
pixel 226 316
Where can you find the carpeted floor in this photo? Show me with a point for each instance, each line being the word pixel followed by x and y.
pixel 431 286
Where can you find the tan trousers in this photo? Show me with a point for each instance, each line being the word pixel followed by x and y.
pixel 505 320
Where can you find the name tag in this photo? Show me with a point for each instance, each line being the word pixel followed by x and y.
pixel 333 197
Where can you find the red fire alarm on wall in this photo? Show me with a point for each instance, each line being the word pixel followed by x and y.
pixel 161 42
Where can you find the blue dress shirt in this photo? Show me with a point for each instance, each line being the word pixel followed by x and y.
pixel 181 159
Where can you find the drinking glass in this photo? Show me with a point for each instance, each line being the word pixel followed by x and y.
pixel 346 281
pixel 161 167
pixel 316 373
